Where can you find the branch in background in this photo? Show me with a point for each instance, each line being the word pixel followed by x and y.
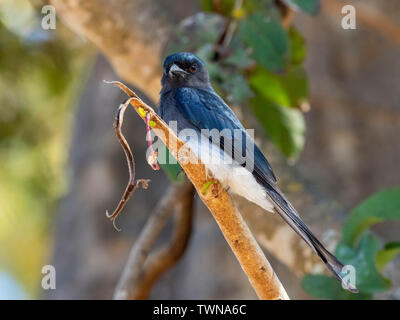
pixel 373 20
pixel 227 34
pixel 132 44
pixel 138 278
pixel 287 13
pixel 237 234
pixel 162 260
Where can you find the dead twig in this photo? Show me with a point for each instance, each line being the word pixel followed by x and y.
pixel 237 234
pixel 132 184
pixel 136 280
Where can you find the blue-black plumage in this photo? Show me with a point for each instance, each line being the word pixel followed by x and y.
pixel 188 98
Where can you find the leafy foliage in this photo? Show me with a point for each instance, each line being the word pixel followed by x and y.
pixel 329 288
pixel 288 90
pixel 308 6
pixel 268 40
pixel 284 125
pixel 384 205
pixel 361 249
pixel 387 254
pixel 368 279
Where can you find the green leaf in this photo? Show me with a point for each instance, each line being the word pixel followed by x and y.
pixel 329 288
pixel 222 7
pixel 285 126
pixel 289 89
pixel 387 254
pixel 268 40
pixel 368 279
pixel 215 70
pixel 170 165
pixel 308 6
pixel 239 58
pixel 236 88
pixel 207 5
pixel 204 30
pixel 205 187
pixel 297 47
pixel 385 205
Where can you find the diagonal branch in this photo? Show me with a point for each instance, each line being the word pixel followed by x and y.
pixel 167 256
pixel 237 234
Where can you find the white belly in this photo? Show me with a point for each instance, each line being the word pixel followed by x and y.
pixel 231 175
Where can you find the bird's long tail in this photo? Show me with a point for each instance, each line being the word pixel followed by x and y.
pixel 289 214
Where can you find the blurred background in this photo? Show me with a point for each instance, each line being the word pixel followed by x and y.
pixel 324 101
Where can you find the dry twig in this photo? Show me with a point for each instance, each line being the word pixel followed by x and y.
pixel 132 183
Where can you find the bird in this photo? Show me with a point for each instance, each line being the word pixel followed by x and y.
pixel 189 102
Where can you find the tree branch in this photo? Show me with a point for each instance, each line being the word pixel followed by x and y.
pixel 237 234
pixel 372 19
pixel 141 271
pixel 169 255
pixel 131 34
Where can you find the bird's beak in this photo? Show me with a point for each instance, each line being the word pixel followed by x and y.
pixel 174 70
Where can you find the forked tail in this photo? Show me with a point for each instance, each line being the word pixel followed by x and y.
pixel 289 214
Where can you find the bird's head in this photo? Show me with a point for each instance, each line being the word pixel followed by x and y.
pixel 184 69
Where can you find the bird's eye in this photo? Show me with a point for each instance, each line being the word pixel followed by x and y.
pixel 193 68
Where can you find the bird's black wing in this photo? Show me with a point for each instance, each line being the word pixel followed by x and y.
pixel 206 110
